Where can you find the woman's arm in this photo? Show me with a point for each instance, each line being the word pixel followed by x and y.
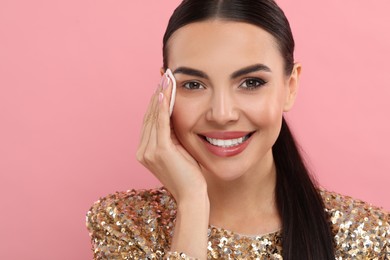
pixel 179 172
pixel 138 224
pixel 190 233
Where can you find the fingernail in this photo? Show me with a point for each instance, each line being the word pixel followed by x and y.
pixel 166 81
pixel 160 97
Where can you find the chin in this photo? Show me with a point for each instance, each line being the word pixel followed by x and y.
pixel 225 173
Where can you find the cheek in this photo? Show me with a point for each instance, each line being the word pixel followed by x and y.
pixel 264 110
pixel 184 116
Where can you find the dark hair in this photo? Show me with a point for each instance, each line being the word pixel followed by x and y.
pixel 306 232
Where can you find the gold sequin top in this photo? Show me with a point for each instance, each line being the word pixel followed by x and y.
pixel 139 225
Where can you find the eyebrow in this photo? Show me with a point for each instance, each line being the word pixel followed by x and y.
pixel 191 72
pixel 236 74
pixel 250 69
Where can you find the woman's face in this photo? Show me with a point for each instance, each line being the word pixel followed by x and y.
pixel 231 94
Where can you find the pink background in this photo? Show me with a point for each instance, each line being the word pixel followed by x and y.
pixel 75 79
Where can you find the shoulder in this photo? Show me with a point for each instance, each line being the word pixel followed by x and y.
pixel 136 222
pixel 134 206
pixel 359 228
pixel 345 208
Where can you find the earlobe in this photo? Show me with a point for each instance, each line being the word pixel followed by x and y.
pixel 292 87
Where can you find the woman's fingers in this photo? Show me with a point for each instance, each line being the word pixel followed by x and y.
pixel 163 120
pixel 161 152
pixel 155 124
pixel 147 116
pixel 148 124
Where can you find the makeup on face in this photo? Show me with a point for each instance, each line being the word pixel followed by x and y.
pixel 230 96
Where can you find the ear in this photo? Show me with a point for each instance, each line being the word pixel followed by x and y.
pixel 292 87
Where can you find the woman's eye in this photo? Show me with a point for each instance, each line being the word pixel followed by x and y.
pixel 193 85
pixel 252 83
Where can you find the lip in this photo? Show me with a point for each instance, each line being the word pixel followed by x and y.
pixel 226 151
pixel 225 135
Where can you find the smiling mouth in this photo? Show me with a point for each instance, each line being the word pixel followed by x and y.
pixel 226 143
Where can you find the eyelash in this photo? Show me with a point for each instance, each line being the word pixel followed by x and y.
pixel 259 83
pixel 185 85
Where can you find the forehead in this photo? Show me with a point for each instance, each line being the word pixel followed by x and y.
pixel 222 43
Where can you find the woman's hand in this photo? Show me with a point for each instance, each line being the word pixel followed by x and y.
pixel 162 153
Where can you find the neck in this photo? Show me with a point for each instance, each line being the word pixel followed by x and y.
pixel 246 205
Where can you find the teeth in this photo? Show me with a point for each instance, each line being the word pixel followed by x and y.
pixel 228 142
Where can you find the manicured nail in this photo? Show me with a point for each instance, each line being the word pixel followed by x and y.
pixel 160 97
pixel 166 81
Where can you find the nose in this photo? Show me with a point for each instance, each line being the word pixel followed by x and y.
pixel 223 108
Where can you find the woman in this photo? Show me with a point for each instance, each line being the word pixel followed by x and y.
pixel 235 185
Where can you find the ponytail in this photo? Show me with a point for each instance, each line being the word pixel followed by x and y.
pixel 306 227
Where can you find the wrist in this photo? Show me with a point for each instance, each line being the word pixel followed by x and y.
pixel 197 197
pixel 191 227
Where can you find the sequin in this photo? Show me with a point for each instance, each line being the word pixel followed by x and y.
pixel 139 225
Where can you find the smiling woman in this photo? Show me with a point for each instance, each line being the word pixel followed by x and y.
pixel 235 185
pixel 240 101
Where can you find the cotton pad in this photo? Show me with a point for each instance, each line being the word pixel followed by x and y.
pixel 173 94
